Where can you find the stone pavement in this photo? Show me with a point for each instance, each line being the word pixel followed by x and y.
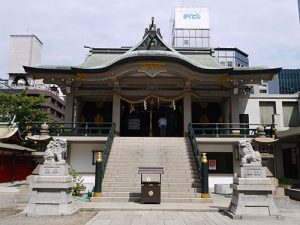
pixel 9 187
pixel 114 213
pixel 181 218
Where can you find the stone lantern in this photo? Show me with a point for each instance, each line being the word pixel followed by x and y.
pixel 265 145
pixel 41 141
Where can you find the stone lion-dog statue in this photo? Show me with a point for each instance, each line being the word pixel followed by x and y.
pixel 55 151
pixel 248 154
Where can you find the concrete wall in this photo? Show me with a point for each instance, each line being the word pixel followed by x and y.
pixel 222 147
pixel 24 50
pixel 203 147
pixel 250 105
pixel 80 155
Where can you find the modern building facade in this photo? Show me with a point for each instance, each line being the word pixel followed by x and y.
pixel 286 82
pixel 231 57
pixel 26 50
pixel 190 28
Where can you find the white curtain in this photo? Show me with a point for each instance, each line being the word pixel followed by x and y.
pixel 290 114
pixel 267 109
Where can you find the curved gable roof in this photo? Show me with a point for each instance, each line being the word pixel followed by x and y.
pixel 151 48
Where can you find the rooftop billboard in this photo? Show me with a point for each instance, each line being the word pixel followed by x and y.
pixel 192 18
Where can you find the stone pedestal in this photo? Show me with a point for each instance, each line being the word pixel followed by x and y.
pixel 51 191
pixel 252 194
pixel 223 189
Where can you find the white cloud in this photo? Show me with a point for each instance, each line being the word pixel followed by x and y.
pixel 268 30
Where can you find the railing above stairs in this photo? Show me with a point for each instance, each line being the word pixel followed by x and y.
pixel 194 144
pixel 101 162
pixel 202 163
pixel 106 152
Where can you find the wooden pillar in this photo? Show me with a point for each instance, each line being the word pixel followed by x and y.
pixel 187 113
pixel 116 112
pixel 69 108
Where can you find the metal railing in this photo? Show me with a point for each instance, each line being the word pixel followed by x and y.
pixel 106 152
pixel 72 129
pixel 195 148
pixel 218 130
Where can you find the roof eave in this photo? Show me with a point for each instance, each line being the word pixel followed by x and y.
pixel 31 70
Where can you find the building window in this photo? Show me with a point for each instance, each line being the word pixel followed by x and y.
pixel 267 110
pixel 290 114
pixel 186 42
pixel 222 63
pixel 229 64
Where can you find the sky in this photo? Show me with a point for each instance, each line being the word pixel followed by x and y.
pixel 268 30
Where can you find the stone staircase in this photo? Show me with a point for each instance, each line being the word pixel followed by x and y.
pixel 180 183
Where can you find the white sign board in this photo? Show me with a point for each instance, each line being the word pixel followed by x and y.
pixel 192 18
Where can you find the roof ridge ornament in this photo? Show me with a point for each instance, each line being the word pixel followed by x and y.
pixel 152 39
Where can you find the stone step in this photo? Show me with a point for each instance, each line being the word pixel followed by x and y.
pixel 171 150
pixel 158 160
pixel 152 158
pixel 167 200
pixel 164 180
pixel 129 149
pixel 166 166
pixel 151 153
pixel 166 175
pixel 132 176
pixel 115 164
pixel 163 189
pixel 179 183
pixel 138 184
pixel 163 194
pixel 167 170
pixel 126 150
pixel 134 169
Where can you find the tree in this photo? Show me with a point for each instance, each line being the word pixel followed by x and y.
pixel 26 109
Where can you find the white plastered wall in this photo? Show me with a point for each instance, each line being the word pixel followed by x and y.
pixel 81 155
pixel 250 105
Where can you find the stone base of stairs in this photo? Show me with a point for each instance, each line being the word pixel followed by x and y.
pixel 132 206
pixel 164 200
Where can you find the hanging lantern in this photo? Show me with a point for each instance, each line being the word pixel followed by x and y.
pixel 132 109
pixel 173 105
pixel 145 105
pixel 152 102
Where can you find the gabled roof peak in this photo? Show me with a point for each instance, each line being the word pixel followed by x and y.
pixel 152 30
pixel 152 40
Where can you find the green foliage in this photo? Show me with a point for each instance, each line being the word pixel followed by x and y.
pixel 284 181
pixel 25 108
pixel 78 182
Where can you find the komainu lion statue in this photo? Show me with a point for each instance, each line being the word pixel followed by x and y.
pixel 55 151
pixel 248 154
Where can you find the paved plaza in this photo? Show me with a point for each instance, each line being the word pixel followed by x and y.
pixel 180 218
pixel 114 213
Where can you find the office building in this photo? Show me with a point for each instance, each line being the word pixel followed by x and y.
pixel 286 82
pixel 26 50
pixel 190 28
